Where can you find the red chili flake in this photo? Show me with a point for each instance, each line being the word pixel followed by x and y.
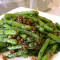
pixel 4 57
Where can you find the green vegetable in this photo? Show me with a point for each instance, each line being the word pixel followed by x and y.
pixel 19 53
pixel 23 36
pixel 17 24
pixel 54 37
pixel 42 50
pixel 31 12
pixel 51 52
pixel 8 32
pixel 30 33
pixel 57 25
pixel 52 42
pixel 12 41
pixel 31 45
pixel 10 15
pixel 44 19
pixel 14 47
pixel 41 29
pixel 47 28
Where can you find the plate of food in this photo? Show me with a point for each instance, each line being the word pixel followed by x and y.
pixel 27 34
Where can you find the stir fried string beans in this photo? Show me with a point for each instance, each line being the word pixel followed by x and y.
pixel 26 33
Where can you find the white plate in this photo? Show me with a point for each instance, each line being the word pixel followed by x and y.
pixel 53 18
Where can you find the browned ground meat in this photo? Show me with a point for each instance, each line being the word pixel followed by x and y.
pixel 19 42
pixel 4 57
pixel 23 20
pixel 49 55
pixel 10 36
pixel 12 52
pixel 18 37
pixel 40 44
pixel 34 58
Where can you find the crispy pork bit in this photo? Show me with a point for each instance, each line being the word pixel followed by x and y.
pixel 34 58
pixel 10 36
pixel 49 55
pixel 19 42
pixel 22 40
pixel 12 52
pixel 33 28
pixel 18 38
pixel 4 57
pixel 23 20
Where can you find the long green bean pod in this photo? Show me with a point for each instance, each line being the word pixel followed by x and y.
pixel 19 53
pixel 51 52
pixel 57 25
pixel 12 41
pixel 31 12
pixel 10 16
pixel 41 29
pixel 9 32
pixel 23 36
pixel 17 24
pixel 43 48
pixel 52 42
pixel 44 19
pixel 54 37
pixel 14 47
